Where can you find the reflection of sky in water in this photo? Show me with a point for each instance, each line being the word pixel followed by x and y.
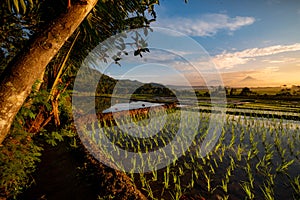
pixel 130 106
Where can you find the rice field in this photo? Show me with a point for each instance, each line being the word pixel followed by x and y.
pixel 180 154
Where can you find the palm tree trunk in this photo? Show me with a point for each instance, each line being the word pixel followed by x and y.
pixel 17 80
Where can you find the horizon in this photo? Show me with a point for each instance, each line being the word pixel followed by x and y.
pixel 226 86
pixel 240 42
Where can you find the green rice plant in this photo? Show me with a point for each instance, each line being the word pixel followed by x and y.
pixel 219 144
pixel 247 189
pixel 191 156
pixel 233 137
pixel 283 167
pixel 175 178
pixel 295 183
pixel 251 137
pixel 252 153
pixel 239 152
pixel 166 180
pixel 250 175
pixel 268 192
pixel 156 142
pixel 143 179
pixel 187 165
pixel 211 170
pixel 222 154
pixel 133 162
pixel 232 164
pixel 192 183
pixel 224 184
pixel 180 170
pixel 216 162
pixel 210 190
pixel 149 191
pixel 175 195
pixel 242 136
pixel 163 140
pixel 196 174
pixel 264 135
pixel 291 145
pixel 184 153
pixel 154 175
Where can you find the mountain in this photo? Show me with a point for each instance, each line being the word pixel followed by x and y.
pixel 248 81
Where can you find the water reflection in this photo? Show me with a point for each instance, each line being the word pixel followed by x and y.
pixel 131 106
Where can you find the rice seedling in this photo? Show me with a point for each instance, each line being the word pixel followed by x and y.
pixel 284 166
pixel 268 192
pixel 247 189
pixel 295 183
pixel 166 180
pixel 265 150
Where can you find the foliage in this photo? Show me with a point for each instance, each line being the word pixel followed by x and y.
pixel 15 30
pixel 19 6
pixel 154 89
pixel 252 159
pixel 245 91
pixel 20 21
pixel 18 157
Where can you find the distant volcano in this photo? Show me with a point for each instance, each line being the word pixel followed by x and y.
pixel 248 81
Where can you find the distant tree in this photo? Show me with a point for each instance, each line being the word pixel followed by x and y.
pixel 246 91
pixel 206 94
pixel 284 92
pixel 227 90
pixel 232 91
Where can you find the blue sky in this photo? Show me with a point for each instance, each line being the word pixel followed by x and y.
pixel 273 22
pixel 253 38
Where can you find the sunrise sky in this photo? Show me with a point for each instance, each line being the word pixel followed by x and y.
pixel 251 43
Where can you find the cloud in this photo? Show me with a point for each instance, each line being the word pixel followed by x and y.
pixel 206 25
pixel 228 60
pixel 271 69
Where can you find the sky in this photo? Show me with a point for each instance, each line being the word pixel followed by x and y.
pixel 250 43
pixel 256 38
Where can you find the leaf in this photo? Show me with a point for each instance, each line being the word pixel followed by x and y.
pixel 116 58
pixel 23 6
pixel 151 20
pixel 284 166
pixel 137 52
pixel 145 31
pixel 31 115
pixel 16 6
pixel 30 4
pixel 9 6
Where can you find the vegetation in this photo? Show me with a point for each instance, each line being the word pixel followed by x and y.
pixel 38 30
pixel 255 158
